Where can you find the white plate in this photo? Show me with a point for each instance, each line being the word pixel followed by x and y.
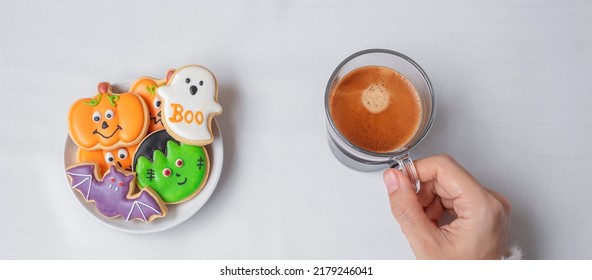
pixel 177 213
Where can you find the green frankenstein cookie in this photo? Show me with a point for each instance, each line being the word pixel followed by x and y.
pixel 176 171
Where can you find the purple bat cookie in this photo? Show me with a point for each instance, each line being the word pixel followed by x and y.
pixel 113 193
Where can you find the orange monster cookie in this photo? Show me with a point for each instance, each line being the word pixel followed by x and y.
pixel 120 157
pixel 108 120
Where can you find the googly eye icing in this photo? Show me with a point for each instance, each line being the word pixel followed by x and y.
pixel 112 179
pixel 96 117
pixel 120 184
pixel 166 172
pixel 122 153
pixel 157 103
pixel 179 163
pixel 109 158
pixel 109 114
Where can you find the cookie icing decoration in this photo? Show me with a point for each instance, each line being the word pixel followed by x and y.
pixel 190 102
pixel 146 88
pixel 120 157
pixel 112 194
pixel 108 121
pixel 176 171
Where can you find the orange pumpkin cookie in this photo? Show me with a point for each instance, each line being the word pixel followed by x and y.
pixel 146 88
pixel 108 120
pixel 120 157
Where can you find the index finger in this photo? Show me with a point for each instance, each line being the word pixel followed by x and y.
pixel 453 180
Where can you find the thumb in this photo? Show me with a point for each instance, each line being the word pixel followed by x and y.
pixel 406 208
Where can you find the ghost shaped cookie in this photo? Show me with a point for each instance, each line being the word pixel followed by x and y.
pixel 190 102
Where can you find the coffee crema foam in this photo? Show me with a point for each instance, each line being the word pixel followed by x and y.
pixel 375 108
pixel 375 98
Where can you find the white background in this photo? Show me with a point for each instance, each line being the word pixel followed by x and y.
pixel 511 78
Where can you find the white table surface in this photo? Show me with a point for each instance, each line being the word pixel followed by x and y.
pixel 512 81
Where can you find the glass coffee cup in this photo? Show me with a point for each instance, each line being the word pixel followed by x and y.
pixel 353 152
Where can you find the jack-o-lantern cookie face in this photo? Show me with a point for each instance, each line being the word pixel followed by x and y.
pixel 190 102
pixel 108 121
pixel 120 157
pixel 146 88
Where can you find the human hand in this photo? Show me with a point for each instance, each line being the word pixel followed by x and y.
pixel 480 227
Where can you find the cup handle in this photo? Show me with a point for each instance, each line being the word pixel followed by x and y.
pixel 405 165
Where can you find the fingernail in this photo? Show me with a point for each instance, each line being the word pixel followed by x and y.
pixel 391 181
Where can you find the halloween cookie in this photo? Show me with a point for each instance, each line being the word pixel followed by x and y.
pixel 108 121
pixel 146 88
pixel 113 193
pixel 190 102
pixel 175 170
pixel 120 157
